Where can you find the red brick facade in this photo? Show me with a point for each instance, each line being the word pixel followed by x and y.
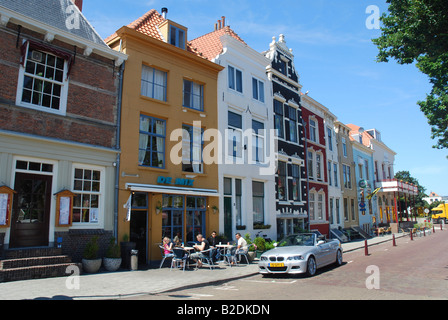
pixel 91 113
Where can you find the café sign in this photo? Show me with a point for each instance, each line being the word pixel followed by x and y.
pixel 176 182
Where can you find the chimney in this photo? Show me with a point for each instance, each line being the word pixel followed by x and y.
pixel 164 12
pixel 223 21
pixel 78 3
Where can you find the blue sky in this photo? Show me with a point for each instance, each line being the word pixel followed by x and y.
pixel 335 59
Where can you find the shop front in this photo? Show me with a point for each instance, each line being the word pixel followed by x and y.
pixel 179 213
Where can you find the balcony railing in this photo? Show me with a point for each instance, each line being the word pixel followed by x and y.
pixel 394 185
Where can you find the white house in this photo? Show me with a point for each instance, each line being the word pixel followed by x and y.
pixel 245 122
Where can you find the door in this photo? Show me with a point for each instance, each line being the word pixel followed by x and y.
pixel 228 217
pixel 31 210
pixel 138 229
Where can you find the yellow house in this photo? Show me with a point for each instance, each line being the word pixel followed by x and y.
pixel 169 100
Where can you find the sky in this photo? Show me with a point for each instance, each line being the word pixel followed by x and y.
pixel 335 59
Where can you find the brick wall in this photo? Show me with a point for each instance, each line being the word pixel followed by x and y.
pixel 91 113
pixel 74 242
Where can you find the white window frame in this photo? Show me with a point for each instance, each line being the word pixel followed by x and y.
pixel 260 93
pixel 64 88
pixel 101 195
pixel 232 73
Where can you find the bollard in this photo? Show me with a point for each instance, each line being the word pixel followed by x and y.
pixel 441 226
pixel 412 237
pixel 424 232
pixel 366 249
pixel 393 241
pixel 433 230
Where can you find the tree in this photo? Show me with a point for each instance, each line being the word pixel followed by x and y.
pixel 417 31
pixel 406 177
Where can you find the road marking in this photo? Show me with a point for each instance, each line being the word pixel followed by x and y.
pixel 226 287
pixel 270 281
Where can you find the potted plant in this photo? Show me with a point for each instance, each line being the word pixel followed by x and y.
pixel 252 247
pixel 112 259
pixel 126 248
pixel 90 262
pixel 260 243
pixel 215 209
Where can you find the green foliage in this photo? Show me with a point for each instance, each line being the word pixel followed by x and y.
pixel 91 249
pixel 416 31
pixel 113 251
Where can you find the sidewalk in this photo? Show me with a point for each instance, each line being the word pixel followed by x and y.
pixel 142 282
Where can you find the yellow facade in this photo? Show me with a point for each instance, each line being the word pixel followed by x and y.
pixel 179 64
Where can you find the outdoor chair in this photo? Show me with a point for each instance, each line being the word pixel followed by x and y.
pixel 180 256
pixel 207 258
pixel 229 255
pixel 164 256
pixel 243 253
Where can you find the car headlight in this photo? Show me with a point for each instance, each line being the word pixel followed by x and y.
pixel 295 258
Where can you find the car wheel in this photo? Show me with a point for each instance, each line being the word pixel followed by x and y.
pixel 311 267
pixel 339 258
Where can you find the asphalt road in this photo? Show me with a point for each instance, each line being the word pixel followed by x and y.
pixel 412 270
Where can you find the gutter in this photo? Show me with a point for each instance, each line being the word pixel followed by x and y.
pixel 117 163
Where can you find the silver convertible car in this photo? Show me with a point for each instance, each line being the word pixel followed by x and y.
pixel 301 253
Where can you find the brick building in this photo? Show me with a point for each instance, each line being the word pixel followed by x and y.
pixel 59 102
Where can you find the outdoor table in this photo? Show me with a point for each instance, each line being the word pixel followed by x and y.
pixel 223 248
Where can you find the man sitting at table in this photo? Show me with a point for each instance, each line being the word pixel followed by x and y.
pixel 202 246
pixel 241 246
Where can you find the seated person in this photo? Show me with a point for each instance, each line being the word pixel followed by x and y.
pixel 241 247
pixel 202 246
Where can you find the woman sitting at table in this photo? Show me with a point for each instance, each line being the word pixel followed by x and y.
pixel 202 246
pixel 167 247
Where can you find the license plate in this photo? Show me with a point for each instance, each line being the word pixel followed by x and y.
pixel 276 265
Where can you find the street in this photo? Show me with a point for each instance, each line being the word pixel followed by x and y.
pixel 412 270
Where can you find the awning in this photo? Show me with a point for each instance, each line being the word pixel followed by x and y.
pixel 171 190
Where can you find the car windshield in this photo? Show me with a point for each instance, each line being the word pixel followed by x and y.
pixel 306 239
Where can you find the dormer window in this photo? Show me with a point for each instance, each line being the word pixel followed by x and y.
pixel 177 37
pixel 174 33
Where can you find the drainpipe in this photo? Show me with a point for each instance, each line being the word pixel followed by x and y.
pixel 306 175
pixel 117 147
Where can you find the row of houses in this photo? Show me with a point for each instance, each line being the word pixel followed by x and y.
pixel 147 134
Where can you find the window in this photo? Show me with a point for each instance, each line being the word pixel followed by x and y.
pixel 192 146
pixel 330 138
pixel 352 207
pixel 42 82
pixel 278 119
pixel 312 202
pixel 313 136
pixel 335 170
pixel 282 181
pixel 193 95
pixel 337 210
pixel 347 176
pixel 196 207
pixel 258 141
pixel 177 37
pixel 153 83
pixel 346 212
pixel 235 79
pixel 292 115
pixel 295 182
pixel 238 195
pixel 318 167
pixel 310 165
pixel 320 206
pixel 344 147
pixel 258 202
pixel 331 211
pixel 329 173
pixel 258 90
pixel 235 135
pixel 151 152
pixel 87 189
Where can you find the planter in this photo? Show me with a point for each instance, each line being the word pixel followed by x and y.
pixel 91 266
pixel 259 253
pixel 251 255
pixel 112 264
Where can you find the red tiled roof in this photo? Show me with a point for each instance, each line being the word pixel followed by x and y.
pixel 210 44
pixel 354 129
pixel 148 24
